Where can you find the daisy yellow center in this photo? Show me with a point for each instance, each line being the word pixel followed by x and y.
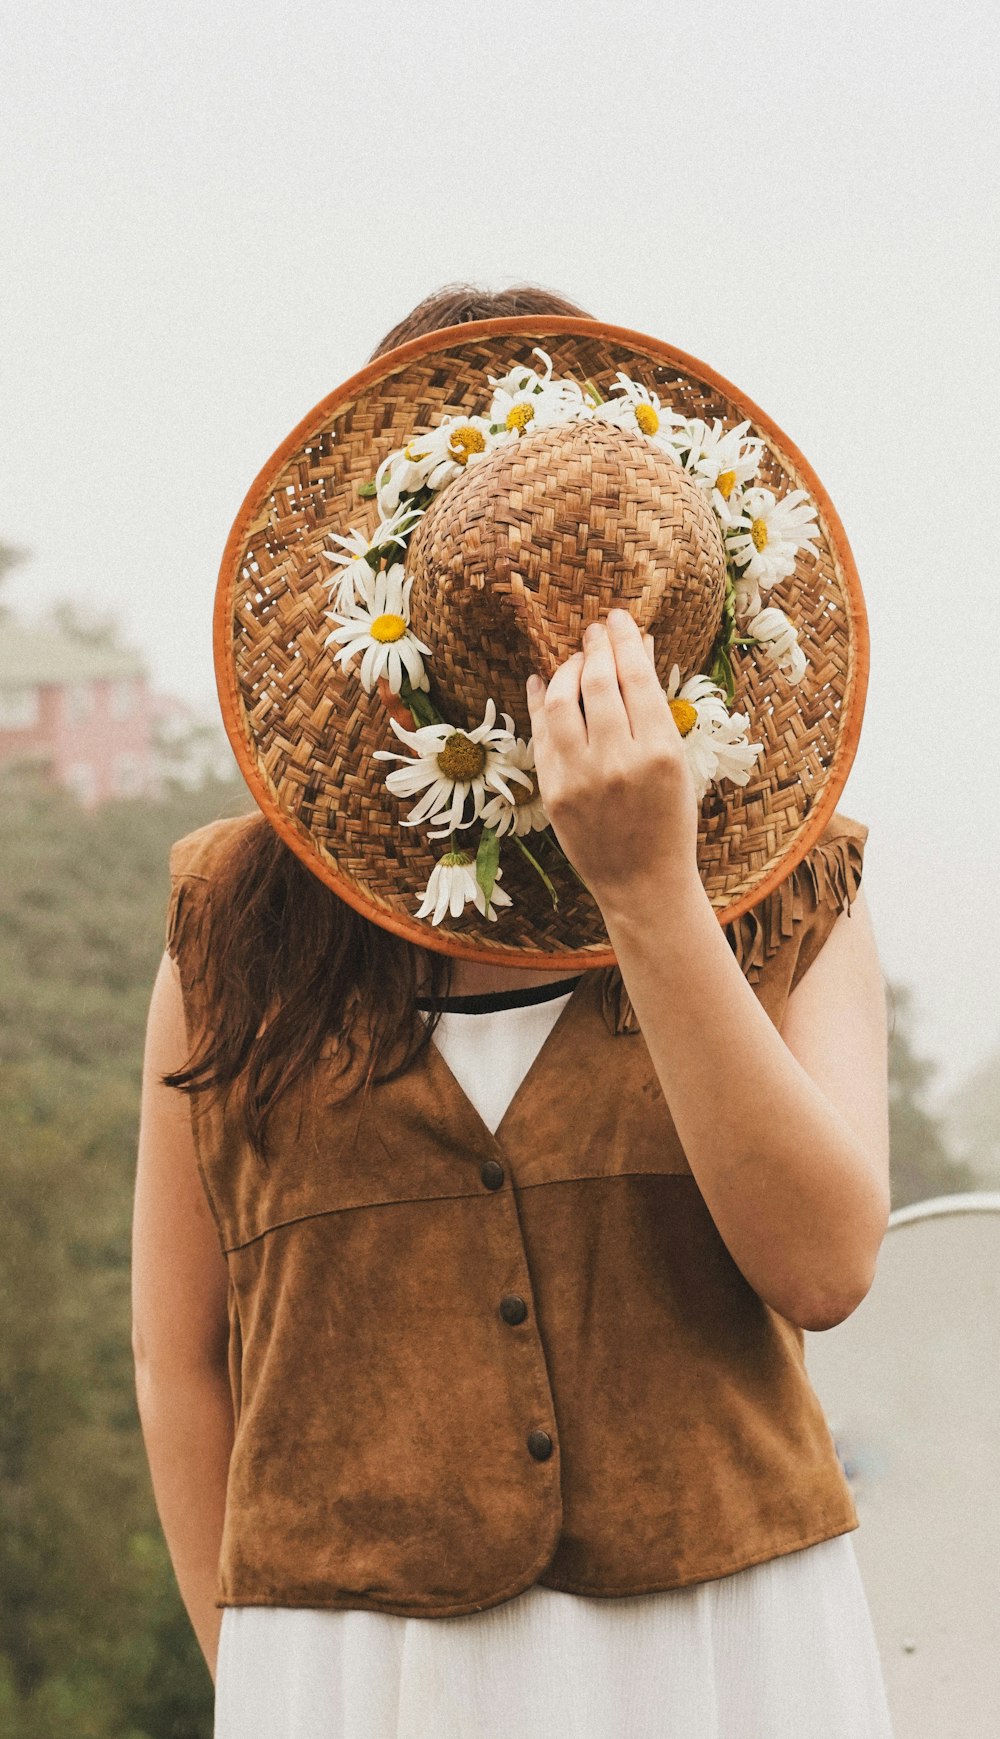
pixel 461 758
pixel 685 715
pixel 519 416
pixel 465 441
pixel 758 531
pixel 388 627
pixel 647 419
pixel 412 453
pixel 724 483
pixel 523 793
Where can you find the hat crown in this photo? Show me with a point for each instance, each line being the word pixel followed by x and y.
pixel 543 535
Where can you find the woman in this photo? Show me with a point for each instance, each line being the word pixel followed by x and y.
pixel 268 975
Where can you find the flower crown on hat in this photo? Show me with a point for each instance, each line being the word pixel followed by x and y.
pixel 455 768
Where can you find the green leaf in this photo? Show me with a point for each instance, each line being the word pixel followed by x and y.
pixel 487 860
pixel 519 842
pixel 367 491
pixel 419 703
pixel 722 673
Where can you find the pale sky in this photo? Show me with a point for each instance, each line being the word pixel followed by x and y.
pixel 213 212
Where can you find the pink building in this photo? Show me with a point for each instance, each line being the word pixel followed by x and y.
pixel 80 712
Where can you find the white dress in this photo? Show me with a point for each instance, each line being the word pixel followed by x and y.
pixel 782 1650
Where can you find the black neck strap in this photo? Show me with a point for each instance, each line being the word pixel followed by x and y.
pixel 485 1002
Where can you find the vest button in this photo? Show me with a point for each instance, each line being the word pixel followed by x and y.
pixel 513 1308
pixel 491 1172
pixel 540 1444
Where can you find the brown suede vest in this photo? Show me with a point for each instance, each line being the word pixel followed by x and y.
pixel 462 1363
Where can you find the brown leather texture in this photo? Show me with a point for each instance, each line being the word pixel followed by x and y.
pixel 408 1439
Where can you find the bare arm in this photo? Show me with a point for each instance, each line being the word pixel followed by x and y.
pixel 180 1323
pixel 786 1132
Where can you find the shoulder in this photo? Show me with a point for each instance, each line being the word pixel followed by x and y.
pixel 789 925
pixel 843 826
pixel 829 873
pixel 201 852
pixel 196 860
pixel 775 941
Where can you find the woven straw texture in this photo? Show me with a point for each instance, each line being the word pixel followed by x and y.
pixel 514 558
pixel 509 564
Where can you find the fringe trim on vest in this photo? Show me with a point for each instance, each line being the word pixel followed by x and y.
pixel 828 875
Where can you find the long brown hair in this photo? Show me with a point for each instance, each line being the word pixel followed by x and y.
pixel 288 964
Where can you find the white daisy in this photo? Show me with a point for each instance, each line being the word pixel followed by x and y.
pixel 523 398
pixel 403 472
pixel 639 409
pixel 715 740
pixel 746 597
pixel 519 379
pixel 723 461
pixel 452 766
pixel 780 639
pixel 452 883
pixel 355 567
pixel 453 445
pixel 736 756
pixel 378 627
pixel 527 810
pixel 770 534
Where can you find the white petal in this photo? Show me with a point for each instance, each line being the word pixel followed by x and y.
pixel 410 657
pixel 428 894
pixel 432 801
pixel 443 895
pixel 458 892
pixel 371 665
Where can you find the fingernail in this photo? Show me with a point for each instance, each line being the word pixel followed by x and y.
pixel 534 685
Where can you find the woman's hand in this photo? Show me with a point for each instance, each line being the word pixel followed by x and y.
pixel 615 784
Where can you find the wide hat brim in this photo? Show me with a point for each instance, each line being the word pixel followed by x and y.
pixel 304 730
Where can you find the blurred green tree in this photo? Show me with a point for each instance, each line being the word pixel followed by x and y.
pixel 923 1164
pixel 94 1639
pixel 972 1118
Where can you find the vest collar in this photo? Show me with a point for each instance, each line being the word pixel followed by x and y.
pixel 554 1060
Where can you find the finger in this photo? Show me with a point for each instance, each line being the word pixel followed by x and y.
pixel 536 689
pixel 607 720
pixel 642 693
pixel 565 729
pixel 647 641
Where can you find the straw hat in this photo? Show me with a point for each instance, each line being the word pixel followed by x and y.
pixel 512 556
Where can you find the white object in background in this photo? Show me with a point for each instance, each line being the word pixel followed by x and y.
pixel 911 1390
